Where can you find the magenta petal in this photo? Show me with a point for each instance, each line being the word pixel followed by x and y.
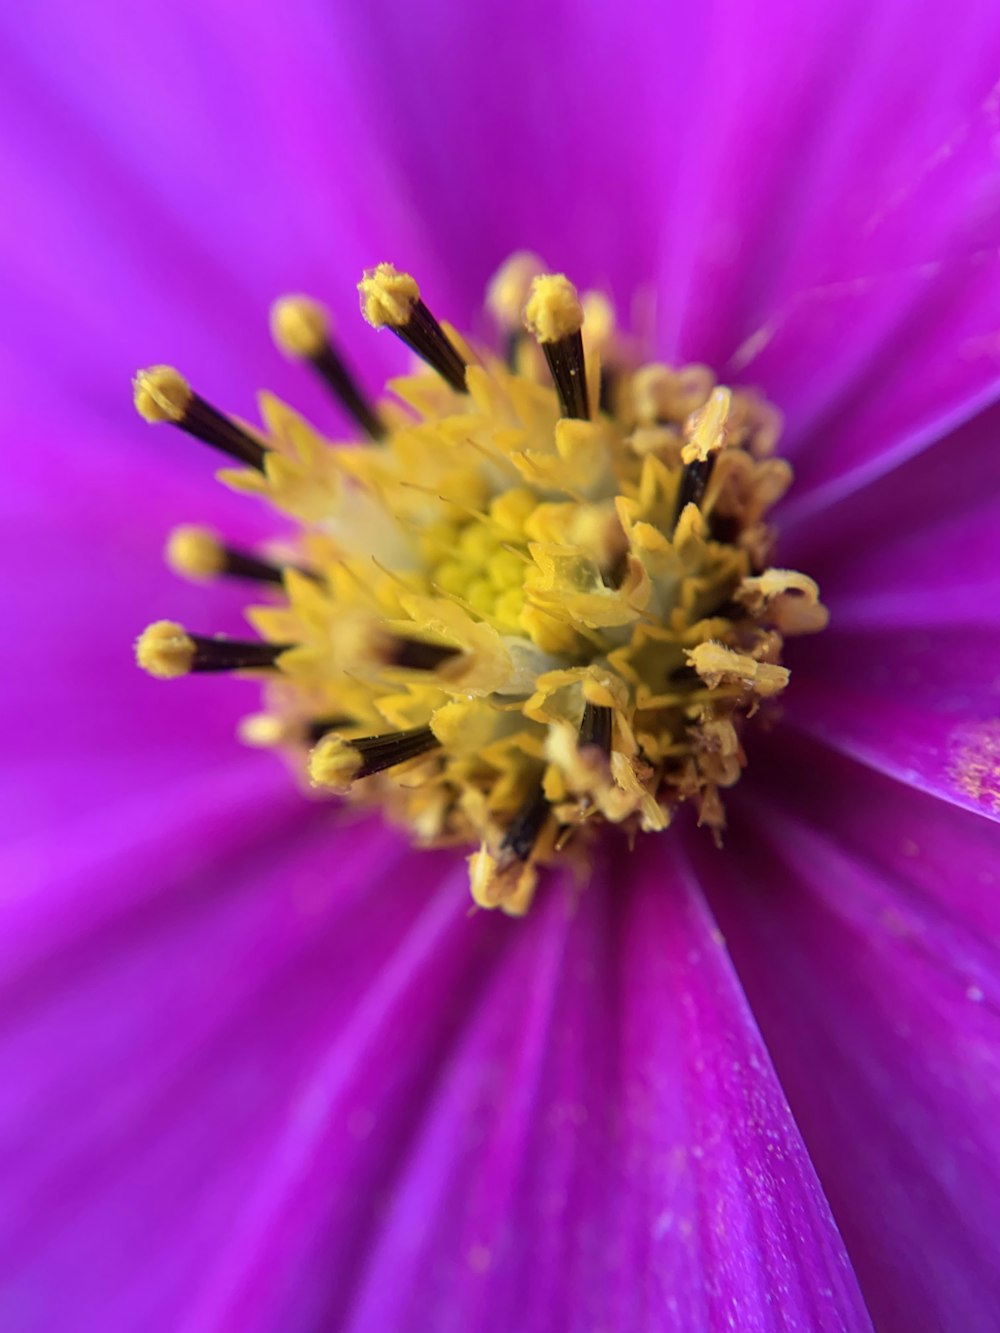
pixel 602 1144
pixel 864 919
pixel 918 548
pixel 838 242
pixel 920 705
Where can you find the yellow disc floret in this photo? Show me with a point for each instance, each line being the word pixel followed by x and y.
pixel 537 600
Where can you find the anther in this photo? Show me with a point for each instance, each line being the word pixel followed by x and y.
pixel 507 295
pixel 390 299
pixel 595 727
pixel 301 329
pixel 167 650
pixel 554 316
pixel 163 394
pixel 337 763
pixel 197 553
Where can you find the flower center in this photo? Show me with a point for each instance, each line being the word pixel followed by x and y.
pixel 536 600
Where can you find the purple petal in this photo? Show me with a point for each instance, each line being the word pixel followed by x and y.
pixel 391 1115
pixel 838 241
pixel 604 1147
pixel 865 923
pixel 920 705
pixel 920 547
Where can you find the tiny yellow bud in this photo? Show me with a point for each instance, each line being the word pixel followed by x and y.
pixel 510 288
pixel 387 296
pixel 334 763
pixel 165 650
pixel 196 553
pixel 553 311
pixel 161 394
pixel 299 327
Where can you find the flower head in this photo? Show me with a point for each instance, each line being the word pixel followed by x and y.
pixel 263 1069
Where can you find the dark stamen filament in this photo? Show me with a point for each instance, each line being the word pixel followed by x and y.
pixel 427 338
pixel 416 654
pixel 568 369
pixel 694 479
pixel 330 367
pixel 595 728
pixel 233 654
pixel 381 752
pixel 207 424
pixel 524 829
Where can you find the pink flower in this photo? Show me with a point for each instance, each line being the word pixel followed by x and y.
pixel 261 1068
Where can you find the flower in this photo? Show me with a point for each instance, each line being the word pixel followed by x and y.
pixel 262 1070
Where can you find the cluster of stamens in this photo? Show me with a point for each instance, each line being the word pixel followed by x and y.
pixel 536 599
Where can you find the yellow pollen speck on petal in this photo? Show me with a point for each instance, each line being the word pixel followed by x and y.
pixel 195 553
pixel 387 296
pixel 334 763
pixel 165 650
pixel 508 292
pixel 161 394
pixel 553 310
pixel 299 327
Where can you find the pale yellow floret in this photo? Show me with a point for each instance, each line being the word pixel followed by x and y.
pixel 553 311
pixel 707 428
pixel 787 599
pixel 161 394
pixel 510 288
pixel 165 650
pixel 387 296
pixel 195 552
pixel 299 326
pixel 334 763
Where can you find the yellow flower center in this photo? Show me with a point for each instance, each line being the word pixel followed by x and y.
pixel 536 600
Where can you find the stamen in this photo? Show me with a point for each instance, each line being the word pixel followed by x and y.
pixel 167 650
pixel 392 299
pixel 554 316
pixel 337 763
pixel 163 394
pixel 301 329
pixel 595 727
pixel 197 553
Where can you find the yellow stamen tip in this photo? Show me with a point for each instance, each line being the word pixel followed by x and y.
pixel 196 553
pixel 161 394
pixel 387 296
pixel 299 327
pixel 165 650
pixel 553 311
pixel 262 731
pixel 334 763
pixel 510 288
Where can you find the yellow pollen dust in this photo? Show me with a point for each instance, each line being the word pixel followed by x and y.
pixel 520 614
